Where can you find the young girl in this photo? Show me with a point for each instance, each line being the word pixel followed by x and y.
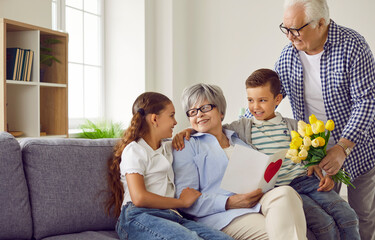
pixel 141 178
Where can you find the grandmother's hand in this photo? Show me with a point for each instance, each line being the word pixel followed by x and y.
pixel 178 139
pixel 246 200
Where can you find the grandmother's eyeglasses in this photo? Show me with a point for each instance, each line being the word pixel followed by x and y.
pixel 293 31
pixel 194 111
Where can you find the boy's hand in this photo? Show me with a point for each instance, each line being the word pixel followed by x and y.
pixel 317 170
pixel 178 139
pixel 188 196
pixel 326 184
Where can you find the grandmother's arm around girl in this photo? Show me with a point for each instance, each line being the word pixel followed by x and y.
pixel 141 179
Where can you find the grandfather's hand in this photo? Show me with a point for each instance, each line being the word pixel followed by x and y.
pixel 178 139
pixel 246 200
pixel 333 161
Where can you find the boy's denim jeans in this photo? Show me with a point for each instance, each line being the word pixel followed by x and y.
pixel 150 224
pixel 326 211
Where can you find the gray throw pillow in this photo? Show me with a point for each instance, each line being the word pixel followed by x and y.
pixel 66 179
pixel 15 215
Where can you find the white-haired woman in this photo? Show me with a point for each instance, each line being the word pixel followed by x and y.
pixel 277 214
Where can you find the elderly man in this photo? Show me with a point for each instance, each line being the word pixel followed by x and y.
pixel 329 70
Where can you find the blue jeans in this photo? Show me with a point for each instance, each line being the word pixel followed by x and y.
pixel 326 211
pixel 149 224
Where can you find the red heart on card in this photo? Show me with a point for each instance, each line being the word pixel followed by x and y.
pixel 272 169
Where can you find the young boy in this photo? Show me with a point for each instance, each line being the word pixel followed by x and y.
pixel 268 132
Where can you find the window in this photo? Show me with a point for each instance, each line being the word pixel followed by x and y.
pixel 83 21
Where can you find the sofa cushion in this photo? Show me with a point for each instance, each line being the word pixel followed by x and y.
pixel 67 183
pixel 15 214
pixel 89 235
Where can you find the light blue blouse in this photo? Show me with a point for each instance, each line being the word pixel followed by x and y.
pixel 201 165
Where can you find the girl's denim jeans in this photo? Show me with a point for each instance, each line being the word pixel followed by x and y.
pixel 150 224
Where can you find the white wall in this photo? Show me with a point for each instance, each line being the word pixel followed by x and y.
pixel 35 12
pixel 124 57
pixel 222 41
pixel 167 45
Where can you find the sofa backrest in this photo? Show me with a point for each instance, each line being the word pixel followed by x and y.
pixel 15 214
pixel 67 183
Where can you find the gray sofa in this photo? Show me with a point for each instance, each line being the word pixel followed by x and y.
pixel 54 189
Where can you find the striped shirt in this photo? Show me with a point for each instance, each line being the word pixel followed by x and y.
pixel 270 137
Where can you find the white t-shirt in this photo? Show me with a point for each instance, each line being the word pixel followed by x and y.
pixel 229 150
pixel 314 103
pixel 154 165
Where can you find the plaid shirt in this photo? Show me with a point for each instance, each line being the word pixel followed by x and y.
pixel 348 84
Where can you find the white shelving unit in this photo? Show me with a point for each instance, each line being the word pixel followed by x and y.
pixel 34 108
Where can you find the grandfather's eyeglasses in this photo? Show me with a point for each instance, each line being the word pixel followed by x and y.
pixel 293 31
pixel 194 111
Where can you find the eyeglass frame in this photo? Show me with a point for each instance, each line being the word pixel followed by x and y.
pixel 200 109
pixel 294 29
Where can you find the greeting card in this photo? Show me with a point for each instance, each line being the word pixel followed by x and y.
pixel 249 169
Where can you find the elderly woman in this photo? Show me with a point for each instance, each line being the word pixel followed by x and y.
pixel 277 214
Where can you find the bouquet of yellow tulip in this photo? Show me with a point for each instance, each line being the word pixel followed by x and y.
pixel 309 145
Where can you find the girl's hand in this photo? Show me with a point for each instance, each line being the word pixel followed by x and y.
pixel 247 200
pixel 188 196
pixel 178 139
pixel 326 184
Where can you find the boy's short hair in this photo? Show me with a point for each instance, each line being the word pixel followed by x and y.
pixel 263 76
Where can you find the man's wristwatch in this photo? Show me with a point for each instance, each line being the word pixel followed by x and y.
pixel 347 149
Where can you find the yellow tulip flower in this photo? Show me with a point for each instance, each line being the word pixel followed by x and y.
pixel 294 134
pixel 297 141
pixel 296 159
pixel 308 130
pixel 303 154
pixel 318 142
pixel 312 119
pixel 291 153
pixel 330 125
pixel 315 143
pixel 320 126
pixel 314 128
pixel 293 146
pixel 322 141
pixel 301 128
pixel 307 141
pixel 307 148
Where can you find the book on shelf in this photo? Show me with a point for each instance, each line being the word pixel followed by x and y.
pixel 19 64
pixel 12 61
pixel 23 67
pixel 19 68
pixel 30 65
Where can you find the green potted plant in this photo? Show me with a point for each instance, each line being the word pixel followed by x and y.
pixel 100 129
pixel 46 55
